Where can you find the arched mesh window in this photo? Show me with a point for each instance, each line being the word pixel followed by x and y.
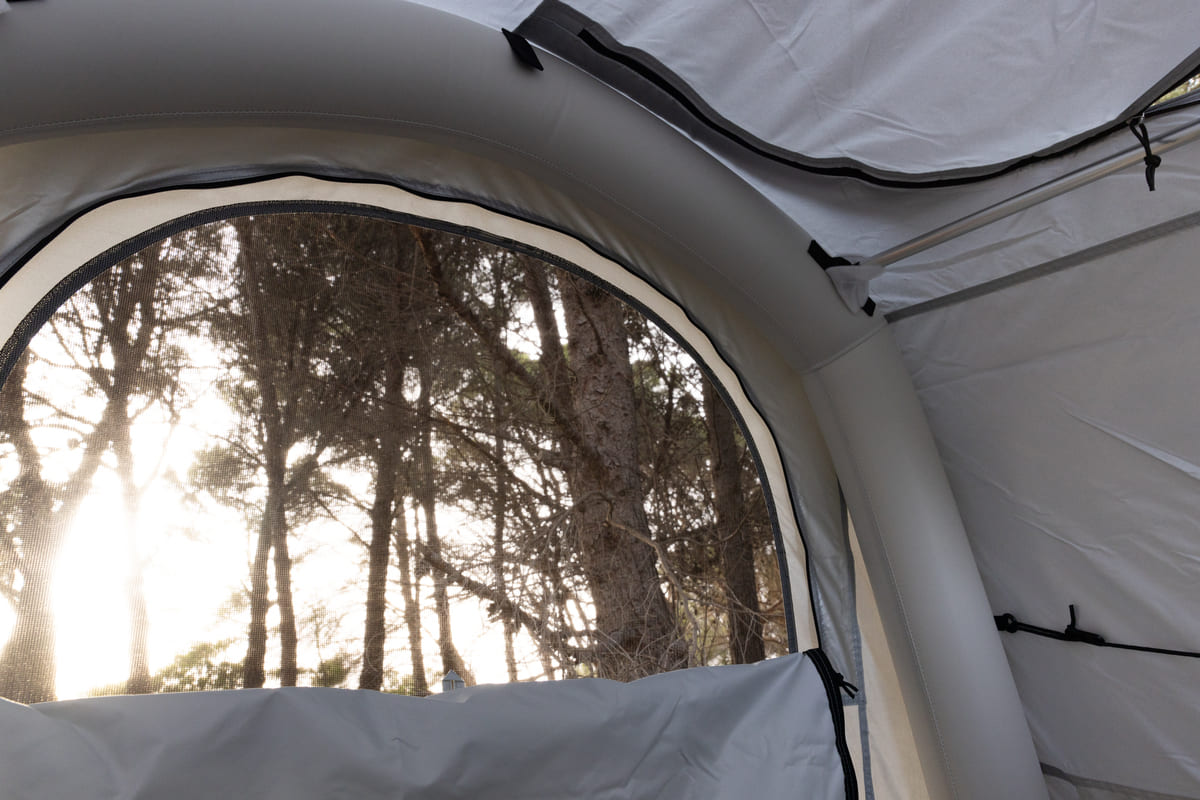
pixel 337 450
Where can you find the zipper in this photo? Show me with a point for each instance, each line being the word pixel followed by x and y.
pixel 834 685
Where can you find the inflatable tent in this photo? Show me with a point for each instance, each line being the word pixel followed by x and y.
pixel 939 255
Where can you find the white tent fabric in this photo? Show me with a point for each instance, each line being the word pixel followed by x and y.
pixel 867 84
pixel 1070 442
pixel 696 733
pixel 1052 351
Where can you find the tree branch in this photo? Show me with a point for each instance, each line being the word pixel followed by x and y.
pixel 563 418
pixel 681 591
pixel 538 627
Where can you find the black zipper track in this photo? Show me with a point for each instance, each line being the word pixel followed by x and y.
pixel 834 682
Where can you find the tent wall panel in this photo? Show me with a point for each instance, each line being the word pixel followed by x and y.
pixel 1070 442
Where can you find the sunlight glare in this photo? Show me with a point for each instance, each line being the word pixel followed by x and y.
pixel 90 609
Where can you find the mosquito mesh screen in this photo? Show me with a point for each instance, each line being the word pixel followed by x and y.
pixel 336 450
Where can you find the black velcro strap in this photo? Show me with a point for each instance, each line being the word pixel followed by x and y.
pixel 522 50
pixel 825 261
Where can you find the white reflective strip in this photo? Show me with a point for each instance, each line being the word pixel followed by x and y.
pixel 120 220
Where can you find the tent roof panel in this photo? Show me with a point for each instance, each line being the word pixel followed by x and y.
pixel 930 90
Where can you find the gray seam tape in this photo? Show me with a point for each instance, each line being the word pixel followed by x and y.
pixel 1049 267
pixel 1116 788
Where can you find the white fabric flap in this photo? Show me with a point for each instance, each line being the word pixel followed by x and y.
pixel 762 730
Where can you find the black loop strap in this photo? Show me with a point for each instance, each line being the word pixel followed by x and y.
pixel 1153 162
pixel 825 261
pixel 1072 633
pixel 523 50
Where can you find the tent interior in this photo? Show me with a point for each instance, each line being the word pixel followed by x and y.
pixel 935 261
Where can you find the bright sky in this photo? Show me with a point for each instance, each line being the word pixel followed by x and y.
pixel 189 577
pixel 187 582
pixel 195 558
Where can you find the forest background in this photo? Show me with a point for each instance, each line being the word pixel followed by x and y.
pixel 314 449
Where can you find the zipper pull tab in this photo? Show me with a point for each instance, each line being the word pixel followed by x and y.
pixel 1153 161
pixel 846 686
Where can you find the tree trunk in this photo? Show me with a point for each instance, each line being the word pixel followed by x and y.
pixel 379 552
pixel 124 298
pixel 638 633
pixel 138 681
pixel 275 443
pixel 500 502
pixel 556 373
pixel 273 533
pixel 498 512
pixel 734 546
pixel 383 510
pixel 27 665
pixel 412 602
pixel 556 378
pixel 135 297
pixel 288 638
pixel 254 673
pixel 283 332
pixel 43 519
pixel 451 660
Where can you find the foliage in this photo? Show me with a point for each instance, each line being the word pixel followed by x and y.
pixel 394 683
pixel 1187 87
pixel 201 669
pixel 335 671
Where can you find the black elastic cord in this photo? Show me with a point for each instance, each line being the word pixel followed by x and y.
pixel 1072 633
pixel 1153 162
